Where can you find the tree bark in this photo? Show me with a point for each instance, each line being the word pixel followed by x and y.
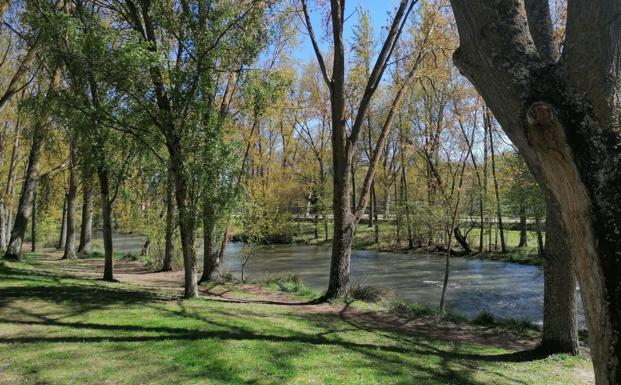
pixel 560 328
pixel 33 226
pixel 563 115
pixel 10 184
pixel 72 195
pixel 24 209
pixel 171 225
pixel 212 267
pixel 62 237
pixel 3 224
pixel 86 228
pixel 106 211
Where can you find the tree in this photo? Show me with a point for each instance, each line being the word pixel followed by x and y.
pixel 562 112
pixel 344 141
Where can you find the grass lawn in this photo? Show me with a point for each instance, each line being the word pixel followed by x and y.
pixel 57 329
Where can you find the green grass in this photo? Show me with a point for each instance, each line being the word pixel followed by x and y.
pixel 60 330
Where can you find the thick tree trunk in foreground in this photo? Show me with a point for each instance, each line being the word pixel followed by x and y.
pixel 560 328
pixel 86 228
pixel 24 210
pixel 186 219
pixel 563 115
pixel 106 213
pixel 169 247
pixel 212 267
pixel 72 195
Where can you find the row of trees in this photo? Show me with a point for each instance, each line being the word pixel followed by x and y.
pixel 188 115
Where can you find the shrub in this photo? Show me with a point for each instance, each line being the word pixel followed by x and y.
pixel 289 283
pixel 368 293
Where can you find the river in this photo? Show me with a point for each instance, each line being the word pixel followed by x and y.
pixel 506 290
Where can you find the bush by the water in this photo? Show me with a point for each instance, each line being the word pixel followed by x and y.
pixel 289 283
pixel 369 293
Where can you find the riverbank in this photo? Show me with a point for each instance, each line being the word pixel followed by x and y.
pixel 61 325
pixel 306 233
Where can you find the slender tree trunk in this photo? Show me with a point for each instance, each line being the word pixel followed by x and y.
pixel 106 210
pixel 72 195
pixel 404 183
pixel 447 266
pixel 62 237
pixel 560 328
pixel 24 210
pixel 86 228
pixel 371 223
pixel 169 248
pixel 376 222
pixel 33 226
pixel 523 227
pixel 503 246
pixel 3 224
pixel 540 246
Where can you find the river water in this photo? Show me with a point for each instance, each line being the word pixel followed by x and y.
pixel 506 290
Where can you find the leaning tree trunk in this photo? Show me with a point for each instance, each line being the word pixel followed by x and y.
pixel 24 210
pixel 560 329
pixel 169 248
pixel 563 115
pixel 72 194
pixel 106 212
pixel 86 228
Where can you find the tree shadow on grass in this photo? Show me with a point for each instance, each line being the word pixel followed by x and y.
pixel 391 353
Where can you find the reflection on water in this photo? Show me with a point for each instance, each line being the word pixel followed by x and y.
pixel 507 290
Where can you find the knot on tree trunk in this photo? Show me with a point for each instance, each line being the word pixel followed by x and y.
pixel 540 114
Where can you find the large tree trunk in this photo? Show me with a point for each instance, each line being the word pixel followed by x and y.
pixel 171 225
pixel 86 228
pixel 106 211
pixel 343 232
pixel 212 267
pixel 560 329
pixel 24 210
pixel 186 219
pixel 72 195
pixel 563 115
pixel 10 185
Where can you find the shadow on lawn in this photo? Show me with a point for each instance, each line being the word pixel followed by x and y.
pixel 390 355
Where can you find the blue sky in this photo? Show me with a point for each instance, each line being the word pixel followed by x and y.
pixel 379 12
